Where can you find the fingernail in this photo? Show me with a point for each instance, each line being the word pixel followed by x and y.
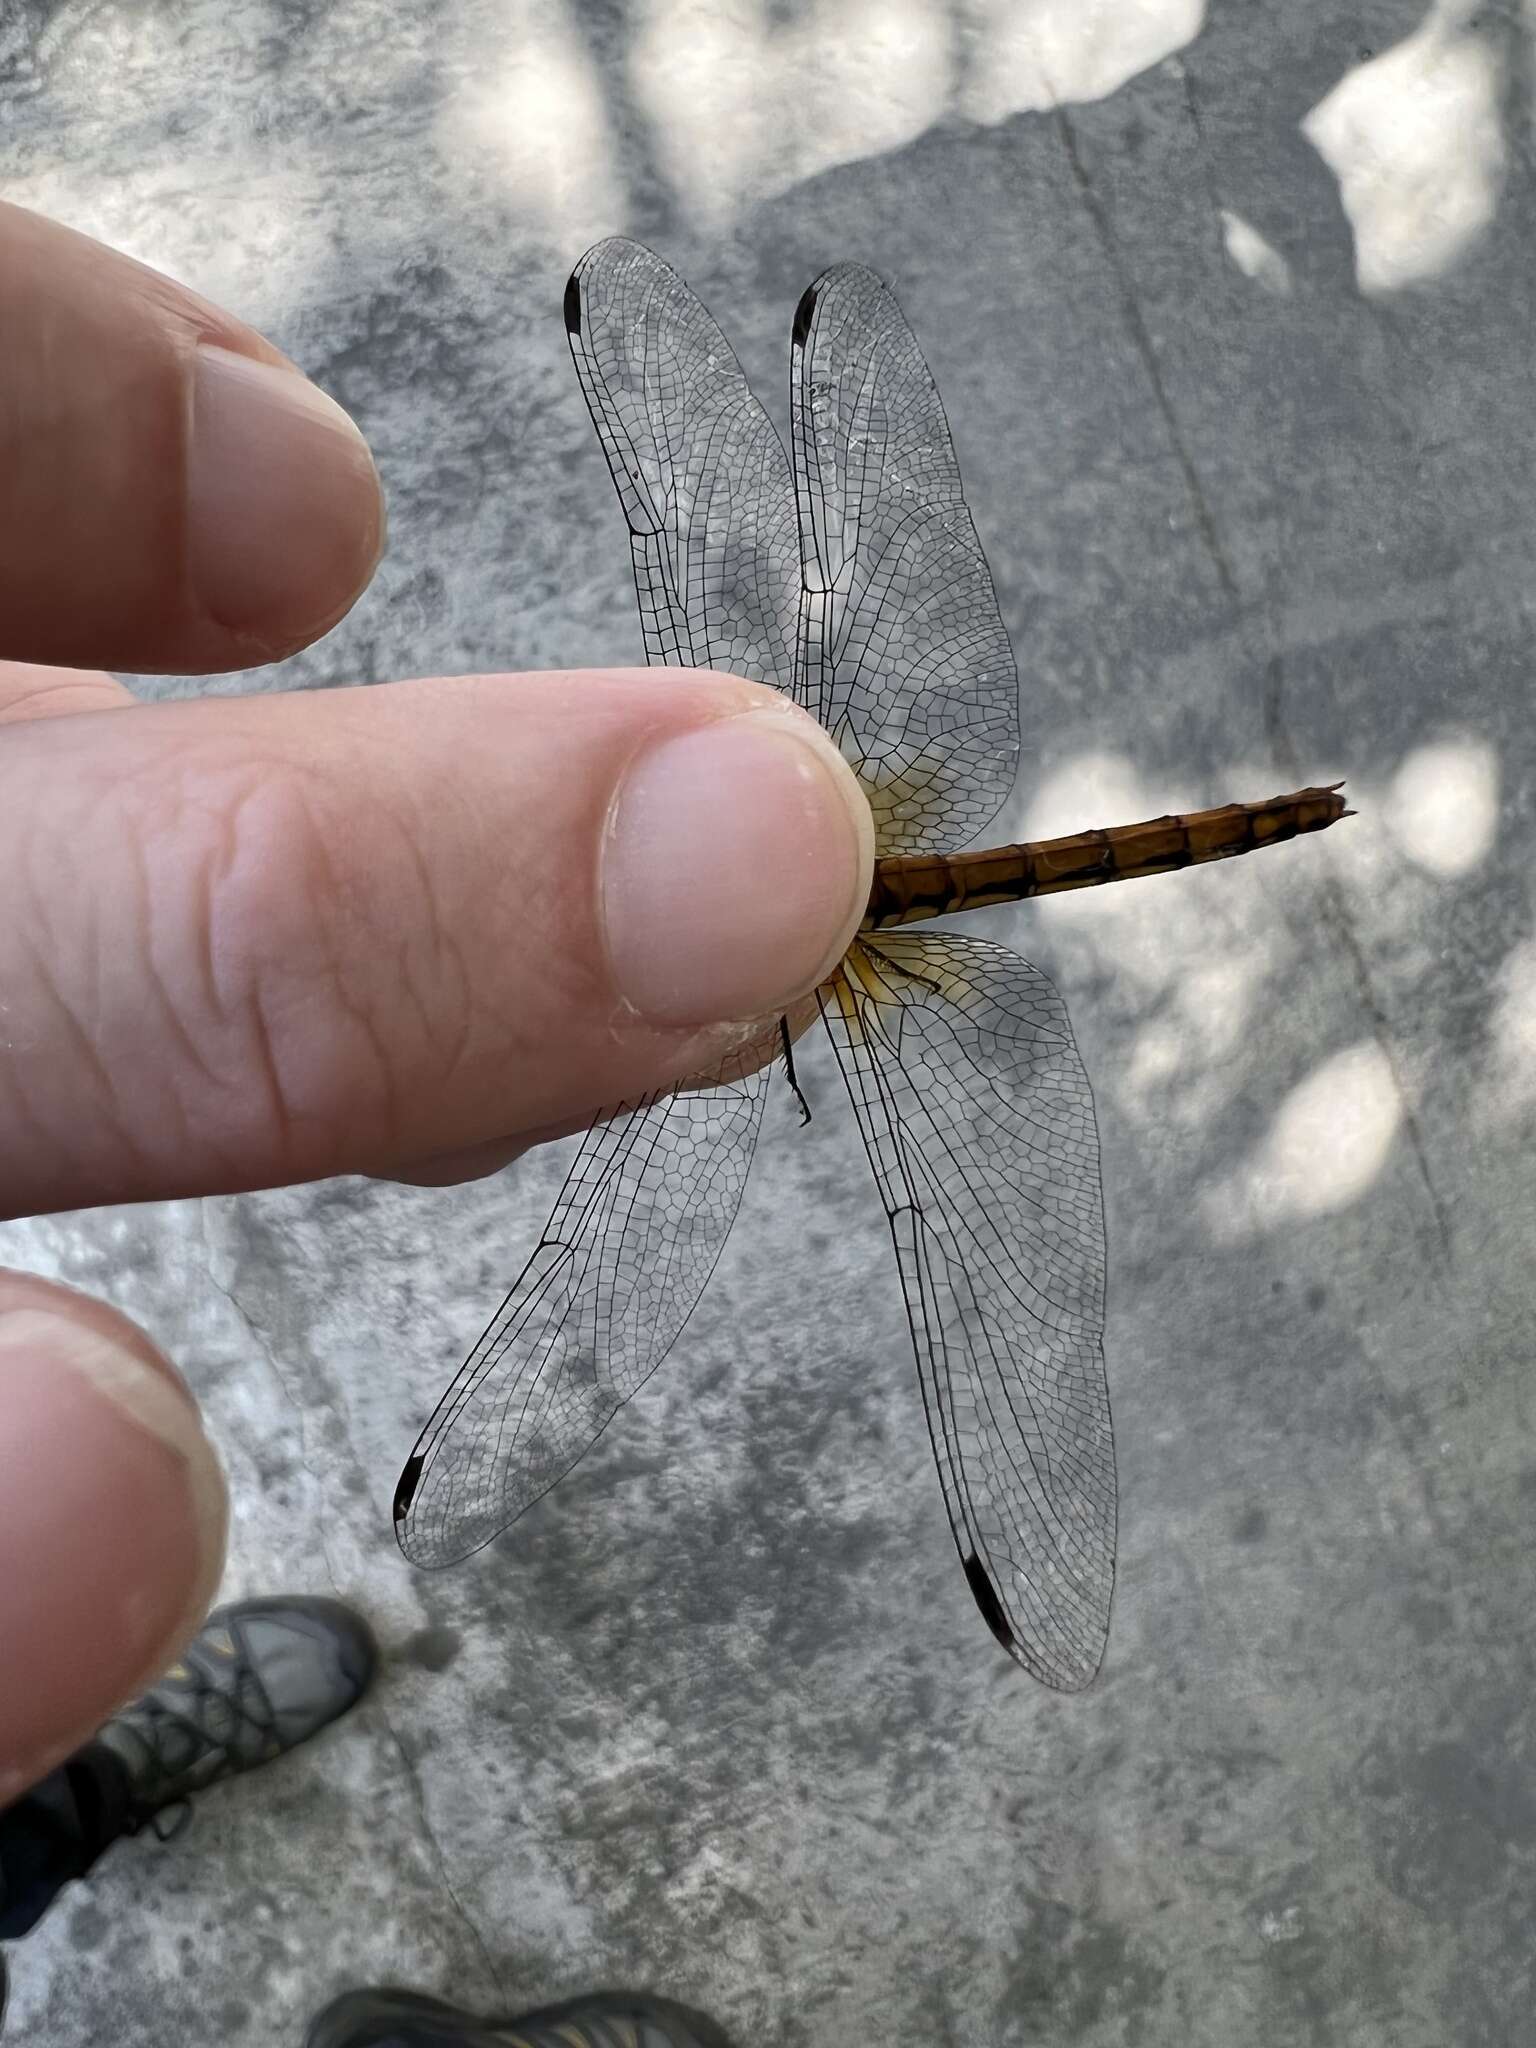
pixel 130 1393
pixel 112 1525
pixel 736 869
pixel 285 513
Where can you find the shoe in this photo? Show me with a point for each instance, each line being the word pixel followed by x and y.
pixel 260 1678
pixel 606 2019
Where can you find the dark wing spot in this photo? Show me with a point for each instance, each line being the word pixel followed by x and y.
pixel 803 312
pixel 986 1599
pixel 405 1491
pixel 572 304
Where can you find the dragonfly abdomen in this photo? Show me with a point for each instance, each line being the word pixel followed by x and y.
pixel 910 887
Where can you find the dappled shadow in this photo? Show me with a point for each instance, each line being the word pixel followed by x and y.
pixel 581 109
pixel 722 1713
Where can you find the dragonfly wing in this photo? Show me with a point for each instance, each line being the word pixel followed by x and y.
pixel 709 500
pixel 902 652
pixel 978 1118
pixel 640 1222
pixel 700 472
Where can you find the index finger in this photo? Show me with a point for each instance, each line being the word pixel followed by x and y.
pixel 174 496
pixel 251 940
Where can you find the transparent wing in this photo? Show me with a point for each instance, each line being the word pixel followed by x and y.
pixel 978 1119
pixel 701 474
pixel 640 1222
pixel 707 494
pixel 902 651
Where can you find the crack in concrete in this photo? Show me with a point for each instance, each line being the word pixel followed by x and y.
pixel 1335 914
pixel 1181 71
pixel 413 1777
pixel 439 1860
pixel 1268 652
pixel 1335 911
pixel 1141 341
pixel 263 1345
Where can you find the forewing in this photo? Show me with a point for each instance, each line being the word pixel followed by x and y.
pixel 978 1119
pixel 626 1255
pixel 707 494
pixel 701 474
pixel 902 652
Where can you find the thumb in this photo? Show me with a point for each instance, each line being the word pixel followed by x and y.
pixel 112 1520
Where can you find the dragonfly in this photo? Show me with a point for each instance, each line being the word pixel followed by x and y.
pixel 848 574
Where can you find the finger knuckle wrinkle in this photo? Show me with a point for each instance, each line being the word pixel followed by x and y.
pixel 275 958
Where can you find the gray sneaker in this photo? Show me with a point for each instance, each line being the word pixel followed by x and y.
pixel 261 1677
pixel 606 2019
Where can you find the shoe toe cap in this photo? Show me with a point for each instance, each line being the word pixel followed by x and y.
pixel 315 1657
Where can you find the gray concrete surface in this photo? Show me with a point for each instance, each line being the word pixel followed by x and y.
pixel 1245 409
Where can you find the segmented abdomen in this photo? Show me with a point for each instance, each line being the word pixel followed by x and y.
pixel 910 887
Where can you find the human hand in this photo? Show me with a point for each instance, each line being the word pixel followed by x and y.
pixel 405 930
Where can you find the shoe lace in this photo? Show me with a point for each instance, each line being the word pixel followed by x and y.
pixel 198 1713
pixel 181 1817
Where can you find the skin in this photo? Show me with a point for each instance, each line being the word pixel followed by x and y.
pixel 406 930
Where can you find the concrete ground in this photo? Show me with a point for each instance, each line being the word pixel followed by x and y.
pixel 1232 309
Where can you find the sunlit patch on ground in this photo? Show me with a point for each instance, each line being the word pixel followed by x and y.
pixel 521 115
pixel 1442 806
pixel 1509 1088
pixel 1188 958
pixel 1413 137
pixel 1025 55
pixel 741 106
pixel 1326 1145
pixel 1254 257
